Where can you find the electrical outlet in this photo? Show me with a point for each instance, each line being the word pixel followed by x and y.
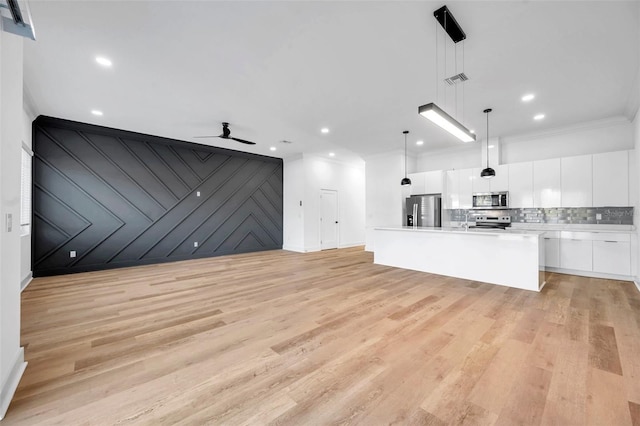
pixel 72 253
pixel 197 193
pixel 195 244
pixel 598 216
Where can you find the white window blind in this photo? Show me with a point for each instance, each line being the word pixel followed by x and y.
pixel 25 193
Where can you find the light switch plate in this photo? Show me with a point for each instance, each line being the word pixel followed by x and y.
pixel 9 222
pixel 72 253
pixel 197 193
pixel 195 244
pixel 598 216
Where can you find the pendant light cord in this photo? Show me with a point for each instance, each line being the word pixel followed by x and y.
pixel 405 153
pixel 487 139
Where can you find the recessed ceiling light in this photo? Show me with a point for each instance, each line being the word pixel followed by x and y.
pixel 420 143
pixel 324 130
pixel 105 62
pixel 96 112
pixel 472 131
pixel 491 146
pixel 528 97
pixel 332 154
pixel 538 117
pixel 273 148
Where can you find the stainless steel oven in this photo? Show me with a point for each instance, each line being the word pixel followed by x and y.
pixel 491 200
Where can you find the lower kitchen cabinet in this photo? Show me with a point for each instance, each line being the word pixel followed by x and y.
pixel 576 254
pixel 552 252
pixel 612 257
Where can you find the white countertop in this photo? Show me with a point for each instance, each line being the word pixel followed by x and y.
pixel 543 227
pixel 470 231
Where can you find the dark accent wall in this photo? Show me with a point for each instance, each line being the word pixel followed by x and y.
pixel 120 198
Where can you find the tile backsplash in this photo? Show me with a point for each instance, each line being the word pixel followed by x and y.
pixel 552 215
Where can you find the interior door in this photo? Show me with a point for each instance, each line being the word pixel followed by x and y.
pixel 328 219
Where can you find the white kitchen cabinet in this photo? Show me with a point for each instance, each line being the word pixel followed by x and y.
pixel 417 183
pixel 521 185
pixel 450 198
pixel 577 181
pixel 552 252
pixel 500 182
pixel 426 182
pixel 433 182
pixel 546 183
pixel 465 182
pixel 612 253
pixel 611 179
pixel 576 253
pixel 478 184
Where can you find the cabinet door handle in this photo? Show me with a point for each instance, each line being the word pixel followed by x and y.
pixel 609 241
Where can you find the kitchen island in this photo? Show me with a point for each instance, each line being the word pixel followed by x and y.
pixel 513 258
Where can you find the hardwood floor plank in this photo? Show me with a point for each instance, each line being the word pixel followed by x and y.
pixel 603 349
pixel 324 338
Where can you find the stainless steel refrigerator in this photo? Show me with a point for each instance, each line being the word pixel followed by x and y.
pixel 424 210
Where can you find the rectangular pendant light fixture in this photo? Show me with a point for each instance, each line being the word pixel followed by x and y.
pixel 448 123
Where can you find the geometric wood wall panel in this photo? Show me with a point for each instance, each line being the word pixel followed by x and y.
pixel 120 198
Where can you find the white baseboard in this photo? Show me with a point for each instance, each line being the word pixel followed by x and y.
pixel 299 249
pixel 590 274
pixel 9 387
pixel 26 281
pixel 347 245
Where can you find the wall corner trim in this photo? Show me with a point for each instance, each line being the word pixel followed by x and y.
pixel 9 387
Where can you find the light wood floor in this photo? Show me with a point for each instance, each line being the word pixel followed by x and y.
pixel 324 338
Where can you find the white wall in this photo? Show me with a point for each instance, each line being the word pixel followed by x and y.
pixel 384 194
pixel 349 181
pixel 293 217
pixel 459 157
pixel 612 134
pixel 11 134
pixel 304 178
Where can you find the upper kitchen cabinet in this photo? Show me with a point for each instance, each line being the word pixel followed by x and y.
pixel 459 184
pixel 577 181
pixel 546 183
pixel 426 182
pixel 451 199
pixel 611 179
pixel 433 182
pixel 521 185
pixel 417 183
pixel 465 187
pixel 500 182
pixel 478 184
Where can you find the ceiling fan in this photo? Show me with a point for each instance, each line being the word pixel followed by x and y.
pixel 226 134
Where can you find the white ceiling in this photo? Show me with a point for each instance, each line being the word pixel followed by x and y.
pixel 283 70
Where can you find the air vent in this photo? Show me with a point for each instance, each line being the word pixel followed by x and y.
pixel 458 78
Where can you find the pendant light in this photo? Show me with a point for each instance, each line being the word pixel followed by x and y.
pixel 405 180
pixel 488 172
pixel 431 111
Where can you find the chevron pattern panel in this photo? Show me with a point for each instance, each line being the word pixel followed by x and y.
pixel 119 199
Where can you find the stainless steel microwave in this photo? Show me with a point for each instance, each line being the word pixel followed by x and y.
pixel 491 200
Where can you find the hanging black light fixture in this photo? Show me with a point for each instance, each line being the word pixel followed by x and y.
pixel 405 180
pixel 488 172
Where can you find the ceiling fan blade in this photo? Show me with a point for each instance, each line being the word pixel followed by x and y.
pixel 243 141
pixel 200 137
